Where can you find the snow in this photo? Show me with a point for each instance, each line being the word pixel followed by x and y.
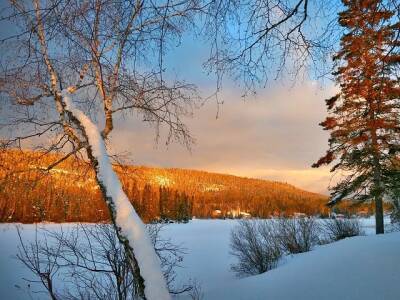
pixel 12 285
pixel 126 217
pixel 365 268
pixel 356 268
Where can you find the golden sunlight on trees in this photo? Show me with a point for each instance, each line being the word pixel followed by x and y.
pixel 363 119
pixel 68 193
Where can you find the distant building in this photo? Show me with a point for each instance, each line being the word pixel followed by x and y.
pixel 298 215
pixel 216 213
pixel 245 215
pixel 237 214
pixel 337 216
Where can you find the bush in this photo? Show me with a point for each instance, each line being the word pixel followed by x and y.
pixel 259 244
pixel 337 229
pixel 255 246
pixel 89 262
pixel 395 214
pixel 296 235
pixel 395 217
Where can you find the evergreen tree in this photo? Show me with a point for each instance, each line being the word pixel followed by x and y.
pixel 393 178
pixel 364 116
pixel 147 199
pixel 182 209
pixel 163 202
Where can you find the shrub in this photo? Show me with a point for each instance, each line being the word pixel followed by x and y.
pixel 89 262
pixel 395 217
pixel 296 235
pixel 259 244
pixel 395 214
pixel 255 246
pixel 337 229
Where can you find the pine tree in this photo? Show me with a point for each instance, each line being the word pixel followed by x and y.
pixel 163 202
pixel 363 118
pixel 393 178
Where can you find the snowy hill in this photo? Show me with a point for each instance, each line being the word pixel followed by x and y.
pixel 68 193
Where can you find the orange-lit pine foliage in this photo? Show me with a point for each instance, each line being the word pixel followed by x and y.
pixel 363 119
pixel 68 193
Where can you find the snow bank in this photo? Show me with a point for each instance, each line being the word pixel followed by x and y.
pixel 126 217
pixel 356 268
pixel 366 267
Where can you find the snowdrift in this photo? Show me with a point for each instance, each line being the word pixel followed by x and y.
pixel 356 268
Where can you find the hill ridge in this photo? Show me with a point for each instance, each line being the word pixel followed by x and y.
pixel 30 195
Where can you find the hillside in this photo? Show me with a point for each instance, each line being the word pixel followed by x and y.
pixel 68 192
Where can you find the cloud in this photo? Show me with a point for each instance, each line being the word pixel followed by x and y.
pixel 274 136
pixel 316 180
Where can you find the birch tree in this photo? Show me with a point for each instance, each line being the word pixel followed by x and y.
pixel 69 67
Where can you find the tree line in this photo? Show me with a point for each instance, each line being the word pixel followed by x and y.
pixel 29 193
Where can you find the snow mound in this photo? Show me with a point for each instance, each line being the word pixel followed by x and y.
pixel 366 267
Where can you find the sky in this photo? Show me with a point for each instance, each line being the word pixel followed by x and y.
pixel 274 135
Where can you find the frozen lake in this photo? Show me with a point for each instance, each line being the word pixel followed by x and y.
pixel 349 263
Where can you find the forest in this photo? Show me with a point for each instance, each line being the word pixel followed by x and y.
pixel 68 193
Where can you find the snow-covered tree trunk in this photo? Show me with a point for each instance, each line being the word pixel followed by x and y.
pixel 46 29
pixel 131 230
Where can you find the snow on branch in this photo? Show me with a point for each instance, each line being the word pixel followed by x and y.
pixel 132 228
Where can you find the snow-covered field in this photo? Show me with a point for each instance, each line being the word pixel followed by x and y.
pixel 357 268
